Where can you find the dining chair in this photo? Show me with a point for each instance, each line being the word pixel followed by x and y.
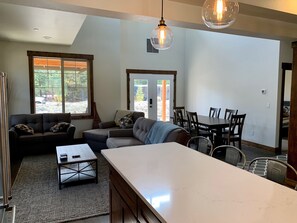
pixel 179 118
pixel 201 144
pixel 182 108
pixel 227 116
pixel 214 112
pixel 234 130
pixel 276 169
pixel 194 128
pixel 229 154
pixel 229 112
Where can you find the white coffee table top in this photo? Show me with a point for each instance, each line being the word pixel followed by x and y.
pixel 83 150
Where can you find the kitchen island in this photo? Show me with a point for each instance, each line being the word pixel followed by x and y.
pixel 171 183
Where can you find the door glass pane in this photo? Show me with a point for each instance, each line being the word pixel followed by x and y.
pixel 163 100
pixel 141 96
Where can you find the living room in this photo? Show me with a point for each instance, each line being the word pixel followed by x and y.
pixel 196 55
pixel 213 69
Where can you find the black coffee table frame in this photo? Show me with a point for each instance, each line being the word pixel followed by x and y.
pixel 74 169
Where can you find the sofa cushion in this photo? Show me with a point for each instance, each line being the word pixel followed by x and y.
pixel 141 128
pixel 122 141
pixel 57 137
pixel 32 120
pixel 97 134
pixel 51 119
pixel 31 139
pixel 23 129
pixel 126 122
pixel 120 114
pixel 60 127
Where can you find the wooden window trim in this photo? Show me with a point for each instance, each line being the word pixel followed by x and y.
pixel 90 58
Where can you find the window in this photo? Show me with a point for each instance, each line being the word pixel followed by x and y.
pixel 61 83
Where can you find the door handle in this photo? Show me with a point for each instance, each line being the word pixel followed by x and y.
pixel 151 102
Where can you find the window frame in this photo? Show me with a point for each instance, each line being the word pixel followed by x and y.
pixel 62 56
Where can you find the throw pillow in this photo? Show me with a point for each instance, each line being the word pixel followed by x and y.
pixel 60 127
pixel 120 114
pixel 23 129
pixel 126 122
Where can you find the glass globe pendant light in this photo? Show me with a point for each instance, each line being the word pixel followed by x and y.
pixel 219 14
pixel 162 36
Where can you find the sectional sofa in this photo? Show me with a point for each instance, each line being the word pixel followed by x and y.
pixel 147 131
pixel 96 138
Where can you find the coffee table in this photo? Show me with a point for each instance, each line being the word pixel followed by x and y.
pixel 81 164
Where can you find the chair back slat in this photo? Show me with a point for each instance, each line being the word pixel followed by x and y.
pixel 178 117
pixel 236 124
pixel 193 122
pixel 214 112
pixel 229 113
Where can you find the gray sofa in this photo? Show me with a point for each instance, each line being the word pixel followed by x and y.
pixel 43 139
pixel 147 131
pixel 96 138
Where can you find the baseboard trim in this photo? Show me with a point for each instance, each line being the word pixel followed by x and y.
pixel 259 146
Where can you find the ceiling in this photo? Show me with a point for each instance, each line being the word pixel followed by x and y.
pixel 29 24
pixel 59 21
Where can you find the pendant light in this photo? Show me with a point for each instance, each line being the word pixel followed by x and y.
pixel 162 36
pixel 219 14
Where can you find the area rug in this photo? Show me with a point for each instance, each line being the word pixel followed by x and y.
pixel 37 197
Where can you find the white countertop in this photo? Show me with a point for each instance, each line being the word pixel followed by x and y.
pixel 185 186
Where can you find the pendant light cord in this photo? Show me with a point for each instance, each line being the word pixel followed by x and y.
pixel 162 11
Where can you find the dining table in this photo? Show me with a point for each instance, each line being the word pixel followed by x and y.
pixel 215 124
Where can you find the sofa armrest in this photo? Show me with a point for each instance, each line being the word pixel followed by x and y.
pixel 71 130
pixel 121 133
pixel 12 133
pixel 13 138
pixel 107 125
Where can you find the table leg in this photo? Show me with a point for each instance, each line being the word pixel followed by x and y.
pixel 59 173
pixel 96 171
pixel 218 138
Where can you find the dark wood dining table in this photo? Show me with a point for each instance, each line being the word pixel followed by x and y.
pixel 217 124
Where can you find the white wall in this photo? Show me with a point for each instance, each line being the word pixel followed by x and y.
pixel 229 71
pixel 98 36
pixel 116 46
pixel 134 55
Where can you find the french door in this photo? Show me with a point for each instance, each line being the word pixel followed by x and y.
pixel 152 94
